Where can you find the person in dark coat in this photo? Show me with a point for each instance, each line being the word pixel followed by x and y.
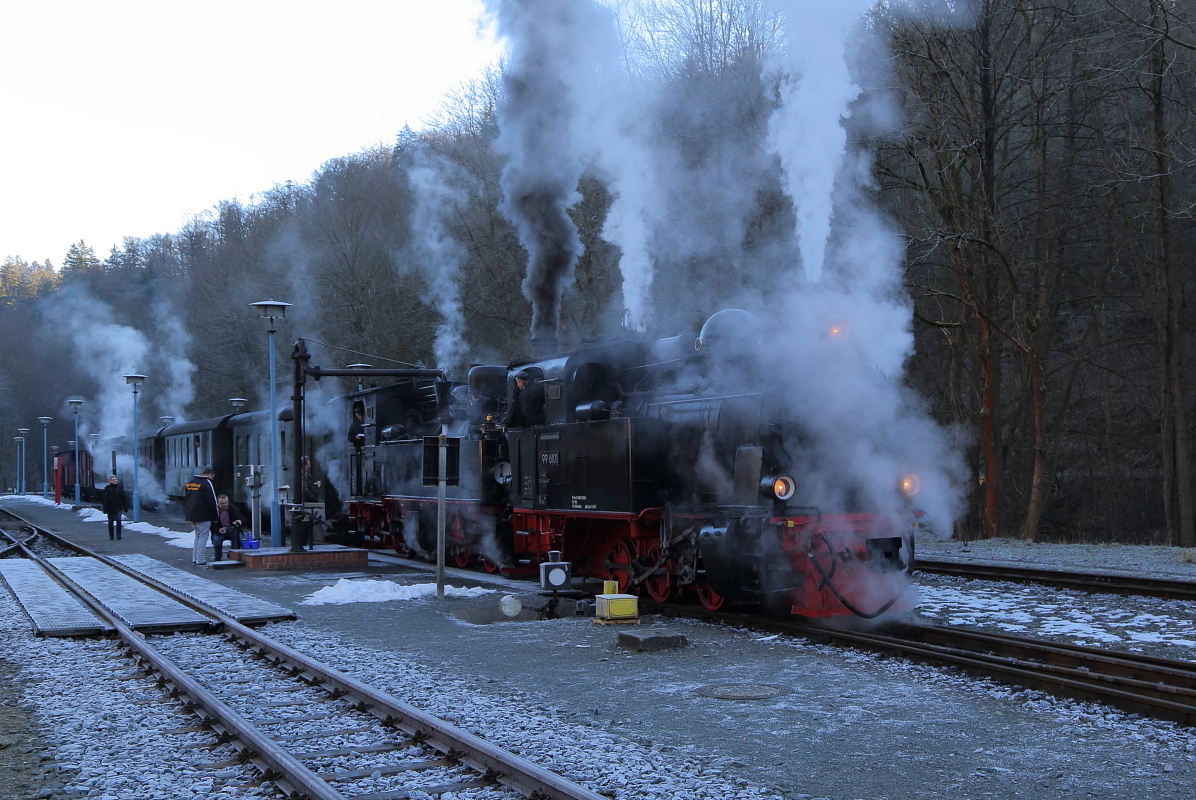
pixel 527 406
pixel 201 510
pixel 230 526
pixel 112 503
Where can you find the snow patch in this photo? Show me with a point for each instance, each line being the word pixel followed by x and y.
pixel 378 591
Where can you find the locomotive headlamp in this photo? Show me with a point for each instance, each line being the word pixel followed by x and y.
pixel 911 484
pixel 838 329
pixel 782 487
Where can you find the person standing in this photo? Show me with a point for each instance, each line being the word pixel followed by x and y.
pixel 201 510
pixel 112 503
pixel 229 525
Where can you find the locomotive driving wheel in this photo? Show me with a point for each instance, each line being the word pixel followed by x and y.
pixel 489 565
pixel 462 558
pixel 620 563
pixel 710 599
pixel 659 585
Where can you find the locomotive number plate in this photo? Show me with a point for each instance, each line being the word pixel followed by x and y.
pixel 550 458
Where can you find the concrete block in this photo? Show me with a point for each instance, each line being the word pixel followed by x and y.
pixel 645 639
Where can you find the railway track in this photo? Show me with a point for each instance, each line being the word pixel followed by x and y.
pixel 1156 687
pixel 308 729
pixel 1171 589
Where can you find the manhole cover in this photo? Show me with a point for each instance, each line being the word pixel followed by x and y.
pixel 739 691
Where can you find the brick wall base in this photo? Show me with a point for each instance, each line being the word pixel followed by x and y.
pixel 324 556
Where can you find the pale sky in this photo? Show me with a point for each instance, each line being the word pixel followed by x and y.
pixel 127 117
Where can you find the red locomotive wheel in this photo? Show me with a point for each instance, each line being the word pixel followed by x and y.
pixel 660 585
pixel 710 599
pixel 489 565
pixel 462 558
pixel 619 559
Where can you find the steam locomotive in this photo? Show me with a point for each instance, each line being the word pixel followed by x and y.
pixel 668 465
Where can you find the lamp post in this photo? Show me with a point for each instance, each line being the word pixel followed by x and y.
pixel 16 465
pixel 45 421
pixel 271 310
pixel 135 381
pixel 75 406
pixel 22 431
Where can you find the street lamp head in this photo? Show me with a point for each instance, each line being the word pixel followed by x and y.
pixel 359 366
pixel 75 405
pixel 271 309
pixel 22 431
pixel 71 443
pixel 238 402
pixel 45 420
pixel 166 419
pixel 134 380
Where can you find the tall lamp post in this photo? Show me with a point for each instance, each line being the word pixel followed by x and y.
pixel 75 406
pixel 16 465
pixel 135 381
pixel 22 431
pixel 271 310
pixel 45 421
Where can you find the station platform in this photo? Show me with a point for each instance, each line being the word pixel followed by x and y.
pixel 244 608
pixel 52 610
pixel 322 556
pixel 133 603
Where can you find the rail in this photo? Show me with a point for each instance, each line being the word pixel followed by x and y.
pixel 495 764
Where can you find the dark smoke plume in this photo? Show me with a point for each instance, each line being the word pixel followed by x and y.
pixel 555 50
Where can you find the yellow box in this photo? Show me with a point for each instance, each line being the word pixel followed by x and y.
pixel 616 606
pixel 610 587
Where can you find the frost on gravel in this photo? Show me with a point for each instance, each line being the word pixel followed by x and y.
pixel 114 738
pixel 1137 624
pixel 601 761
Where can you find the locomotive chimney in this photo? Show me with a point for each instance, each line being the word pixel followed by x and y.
pixel 543 346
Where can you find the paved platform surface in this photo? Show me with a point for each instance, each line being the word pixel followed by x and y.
pixel 244 608
pixel 52 610
pixel 134 603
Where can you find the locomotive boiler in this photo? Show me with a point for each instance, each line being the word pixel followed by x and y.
pixel 668 465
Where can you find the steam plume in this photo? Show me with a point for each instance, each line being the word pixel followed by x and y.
pixel 435 181
pixel 554 48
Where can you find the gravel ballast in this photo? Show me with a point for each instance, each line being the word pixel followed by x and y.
pixel 845 725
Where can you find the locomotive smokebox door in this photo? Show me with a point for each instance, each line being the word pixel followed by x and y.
pixel 452 467
pixel 555 575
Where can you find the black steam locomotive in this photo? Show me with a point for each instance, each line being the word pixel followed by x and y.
pixel 667 465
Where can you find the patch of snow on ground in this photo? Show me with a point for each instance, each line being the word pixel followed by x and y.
pixel 378 591
pixel 1063 615
pixel 177 538
pixel 36 499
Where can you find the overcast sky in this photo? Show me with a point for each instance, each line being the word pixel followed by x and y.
pixel 127 117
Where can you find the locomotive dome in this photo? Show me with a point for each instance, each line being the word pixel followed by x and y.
pixel 729 332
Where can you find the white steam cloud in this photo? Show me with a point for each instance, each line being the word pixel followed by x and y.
pixel 437 186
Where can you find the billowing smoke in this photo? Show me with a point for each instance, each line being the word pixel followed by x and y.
pixel 555 49
pixel 815 93
pixel 437 186
pixel 171 362
pixel 106 352
pixel 846 341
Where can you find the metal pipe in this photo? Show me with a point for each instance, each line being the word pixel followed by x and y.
pixel 441 483
pixel 275 513
pixel 78 494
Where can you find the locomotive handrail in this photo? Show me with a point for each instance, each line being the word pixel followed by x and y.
pixel 319 372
